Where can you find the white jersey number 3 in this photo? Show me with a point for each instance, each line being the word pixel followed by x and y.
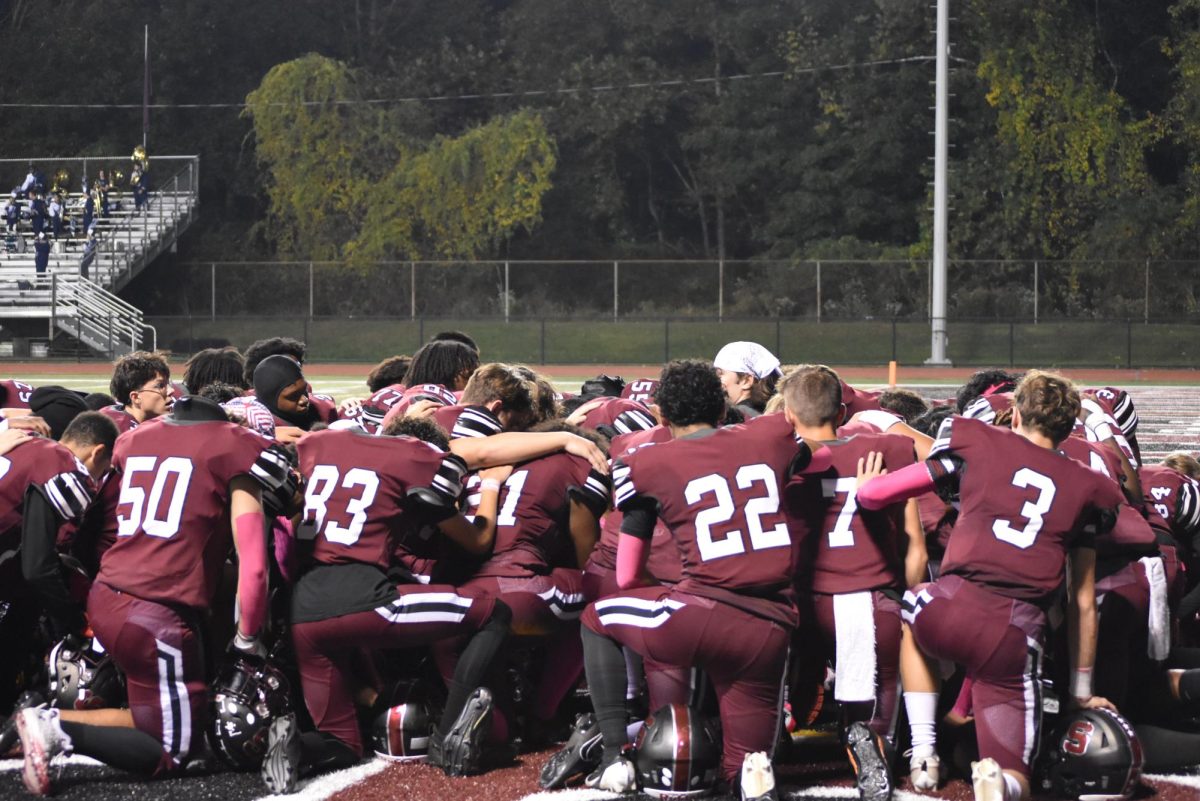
pixel 1033 511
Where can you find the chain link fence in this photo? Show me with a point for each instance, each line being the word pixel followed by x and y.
pixel 1109 313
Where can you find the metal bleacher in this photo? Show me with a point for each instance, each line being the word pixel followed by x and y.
pixel 62 307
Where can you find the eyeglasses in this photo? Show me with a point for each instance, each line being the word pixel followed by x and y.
pixel 159 390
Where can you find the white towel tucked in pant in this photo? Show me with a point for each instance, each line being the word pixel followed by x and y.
pixel 854 621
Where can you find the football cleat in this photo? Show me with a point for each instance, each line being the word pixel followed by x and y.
pixel 615 777
pixel 758 778
pixel 580 756
pixel 461 749
pixel 281 763
pixel 924 772
pixel 41 740
pixel 8 730
pixel 868 757
pixel 987 780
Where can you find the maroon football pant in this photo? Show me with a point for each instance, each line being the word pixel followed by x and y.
pixel 887 654
pixel 542 606
pixel 665 684
pixel 998 641
pixel 744 655
pixel 162 657
pixel 327 650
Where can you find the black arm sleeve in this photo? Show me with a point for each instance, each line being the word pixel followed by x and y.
pixel 639 519
pixel 40 565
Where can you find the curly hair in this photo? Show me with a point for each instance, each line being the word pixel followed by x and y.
pixel 813 394
pixel 690 392
pixel 1048 403
pixel 388 372
pixel 929 423
pixel 220 392
pixel 212 365
pixel 133 370
pixel 442 362
pixel 980 382
pixel 275 346
pixel 903 402
pixel 422 428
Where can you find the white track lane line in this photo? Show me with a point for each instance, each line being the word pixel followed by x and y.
pixel 326 785
pixel 1177 778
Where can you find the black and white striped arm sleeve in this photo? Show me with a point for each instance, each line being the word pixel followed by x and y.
pixel 271 469
pixel 450 478
pixel 475 421
pixel 943 462
pixel 633 420
pixel 594 492
pixel 1187 509
pixel 979 409
pixel 1125 413
pixel 622 484
pixel 68 494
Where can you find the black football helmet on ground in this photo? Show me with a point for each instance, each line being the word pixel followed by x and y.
pixel 1094 755
pixel 401 732
pixel 247 695
pixel 678 754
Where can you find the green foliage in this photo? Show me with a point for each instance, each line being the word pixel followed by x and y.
pixel 344 182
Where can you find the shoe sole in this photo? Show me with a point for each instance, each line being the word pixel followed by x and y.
pixel 983 788
pixel 280 768
pixel 461 748
pixel 866 757
pixel 36 770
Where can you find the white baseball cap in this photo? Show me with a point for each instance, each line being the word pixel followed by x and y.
pixel 747 357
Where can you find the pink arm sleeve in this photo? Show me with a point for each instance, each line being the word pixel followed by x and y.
pixel 908 482
pixel 631 557
pixel 285 554
pixel 252 573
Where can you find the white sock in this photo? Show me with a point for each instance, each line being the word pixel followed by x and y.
pixel 922 721
pixel 1012 788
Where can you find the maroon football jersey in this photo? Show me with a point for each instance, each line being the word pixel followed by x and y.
pixel 858 400
pixel 1131 533
pixel 1020 508
pixel 358 488
pixel 641 390
pixel 533 521
pixel 122 418
pixel 618 416
pixel 663 563
pixel 379 406
pixel 14 394
pixel 49 468
pixel 719 493
pixel 1172 502
pixel 173 532
pixel 851 549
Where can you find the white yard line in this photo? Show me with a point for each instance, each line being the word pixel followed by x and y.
pixel 10 765
pixel 326 785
